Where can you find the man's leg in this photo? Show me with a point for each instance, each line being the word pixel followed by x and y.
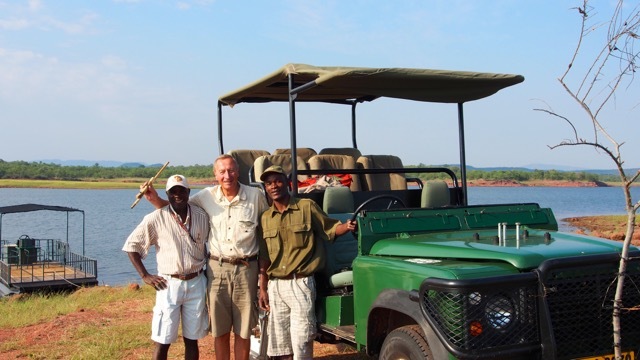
pixel 191 351
pixel 166 318
pixel 284 357
pixel 245 313
pixel 160 352
pixel 241 348
pixel 223 347
pixel 219 287
pixel 303 318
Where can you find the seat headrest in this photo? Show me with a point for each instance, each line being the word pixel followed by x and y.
pixel 337 200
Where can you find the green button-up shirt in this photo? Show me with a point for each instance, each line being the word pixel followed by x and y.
pixel 290 239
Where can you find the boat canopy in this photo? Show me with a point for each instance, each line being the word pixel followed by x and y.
pixel 335 84
pixel 34 207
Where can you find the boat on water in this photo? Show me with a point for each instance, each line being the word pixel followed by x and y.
pixel 30 264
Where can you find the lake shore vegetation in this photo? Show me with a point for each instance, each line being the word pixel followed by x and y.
pixel 22 174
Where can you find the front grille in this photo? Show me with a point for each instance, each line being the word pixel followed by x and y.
pixel 479 320
pixel 562 310
pixel 579 299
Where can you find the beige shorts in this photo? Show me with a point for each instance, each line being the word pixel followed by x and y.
pixel 232 293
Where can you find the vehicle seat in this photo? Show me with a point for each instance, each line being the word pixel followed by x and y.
pixel 353 152
pixel 373 182
pixel 435 193
pixel 330 162
pixel 338 203
pixel 304 153
pixel 263 162
pixel 245 159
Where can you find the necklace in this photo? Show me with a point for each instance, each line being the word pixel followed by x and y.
pixel 186 225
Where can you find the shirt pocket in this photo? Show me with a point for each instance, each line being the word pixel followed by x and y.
pixel 247 226
pixel 273 243
pixel 299 235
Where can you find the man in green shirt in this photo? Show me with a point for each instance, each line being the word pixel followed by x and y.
pixel 290 253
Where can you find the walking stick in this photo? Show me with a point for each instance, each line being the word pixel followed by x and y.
pixel 147 184
pixel 264 336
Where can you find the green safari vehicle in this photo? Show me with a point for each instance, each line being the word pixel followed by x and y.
pixel 427 275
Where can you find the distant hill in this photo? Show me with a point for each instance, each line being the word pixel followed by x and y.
pixel 550 167
pixel 103 163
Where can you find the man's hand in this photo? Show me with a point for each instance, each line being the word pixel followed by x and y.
pixel 263 299
pixel 152 196
pixel 342 229
pixel 157 282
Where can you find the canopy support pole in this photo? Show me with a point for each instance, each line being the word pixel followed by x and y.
pixel 220 144
pixel 292 127
pixel 463 160
pixel 353 124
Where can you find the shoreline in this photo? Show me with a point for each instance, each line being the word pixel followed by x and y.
pixel 105 184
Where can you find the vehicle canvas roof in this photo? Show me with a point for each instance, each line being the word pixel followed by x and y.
pixel 34 207
pixel 348 84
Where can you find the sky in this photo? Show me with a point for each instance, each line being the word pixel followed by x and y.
pixel 138 80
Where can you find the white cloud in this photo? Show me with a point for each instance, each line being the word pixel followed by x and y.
pixel 14 24
pixel 35 5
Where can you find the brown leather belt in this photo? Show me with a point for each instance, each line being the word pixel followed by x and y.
pixel 291 277
pixel 235 261
pixel 186 277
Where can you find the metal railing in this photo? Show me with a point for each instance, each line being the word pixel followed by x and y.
pixel 34 263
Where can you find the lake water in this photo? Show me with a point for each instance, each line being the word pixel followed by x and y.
pixel 109 219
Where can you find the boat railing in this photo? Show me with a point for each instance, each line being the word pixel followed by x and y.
pixel 48 259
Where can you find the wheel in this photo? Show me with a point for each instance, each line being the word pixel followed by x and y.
pixel 405 343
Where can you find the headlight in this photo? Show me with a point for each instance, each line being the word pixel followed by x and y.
pixel 499 311
pixel 475 298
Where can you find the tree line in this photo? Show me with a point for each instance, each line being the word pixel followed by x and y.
pixel 518 175
pixel 47 171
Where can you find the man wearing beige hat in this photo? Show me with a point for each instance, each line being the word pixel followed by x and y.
pixel 232 270
pixel 290 253
pixel 179 232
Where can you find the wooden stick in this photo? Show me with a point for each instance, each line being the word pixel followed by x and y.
pixel 146 185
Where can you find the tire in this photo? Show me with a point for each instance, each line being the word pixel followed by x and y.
pixel 405 343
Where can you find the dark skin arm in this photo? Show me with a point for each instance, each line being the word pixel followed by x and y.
pixel 346 227
pixel 158 282
pixel 263 295
pixel 152 197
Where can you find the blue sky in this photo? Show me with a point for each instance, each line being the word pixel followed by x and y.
pixel 128 80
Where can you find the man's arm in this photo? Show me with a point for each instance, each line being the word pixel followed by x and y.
pixel 152 197
pixel 344 228
pixel 263 281
pixel 156 281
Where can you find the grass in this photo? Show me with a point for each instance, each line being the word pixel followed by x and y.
pixel 65 184
pixel 98 323
pixel 90 323
pixel 29 309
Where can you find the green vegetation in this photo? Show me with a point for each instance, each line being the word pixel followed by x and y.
pixel 521 175
pixel 43 171
pixel 13 170
pixel 30 309
pixel 91 323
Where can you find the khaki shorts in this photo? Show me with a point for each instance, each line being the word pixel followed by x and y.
pixel 232 293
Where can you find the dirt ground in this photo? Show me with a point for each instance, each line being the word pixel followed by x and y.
pixel 53 337
pixel 608 227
